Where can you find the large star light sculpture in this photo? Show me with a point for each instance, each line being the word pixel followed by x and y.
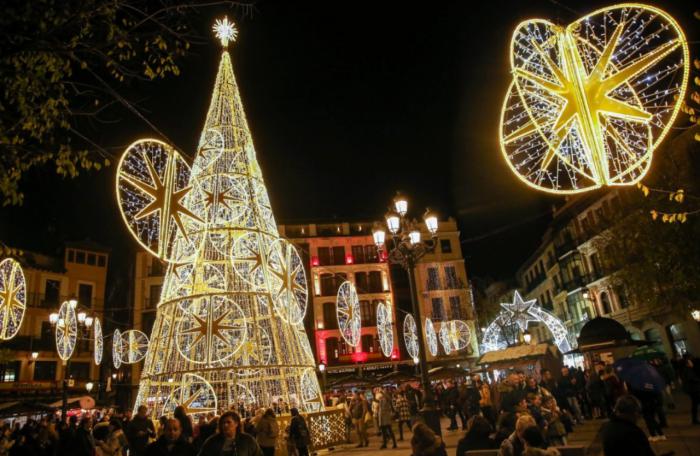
pixel 518 311
pixel 591 101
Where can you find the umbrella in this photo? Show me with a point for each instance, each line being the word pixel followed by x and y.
pixel 639 375
pixel 649 352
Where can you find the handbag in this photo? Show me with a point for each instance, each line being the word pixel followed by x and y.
pixel 369 422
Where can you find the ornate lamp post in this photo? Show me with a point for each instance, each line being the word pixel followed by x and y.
pixel 406 249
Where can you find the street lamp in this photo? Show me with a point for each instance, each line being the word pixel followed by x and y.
pixel 696 315
pixel 407 248
pixel 527 337
pixel 35 355
pixel 88 386
pixel 322 369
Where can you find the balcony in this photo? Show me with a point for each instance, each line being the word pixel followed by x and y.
pixel 42 301
pixel 536 282
pixel 564 246
pixel 576 282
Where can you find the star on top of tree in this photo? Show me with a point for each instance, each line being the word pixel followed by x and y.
pixel 225 31
pixel 518 311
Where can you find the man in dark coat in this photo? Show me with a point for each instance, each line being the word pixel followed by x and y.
pixel 139 431
pixel 230 440
pixel 171 442
pixel 690 375
pixel 621 435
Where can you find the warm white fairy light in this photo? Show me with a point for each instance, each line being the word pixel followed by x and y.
pixel 229 325
pixel 347 311
pixel 13 298
pixel 410 336
pixel 591 101
pixel 134 345
pixel 431 337
pixel 385 328
pixel 225 31
pixel 519 314
pixel 66 331
pixel 117 348
pixel 99 342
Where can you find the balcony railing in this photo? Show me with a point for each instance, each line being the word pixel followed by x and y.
pixel 564 246
pixel 576 282
pixel 536 282
pixel 40 300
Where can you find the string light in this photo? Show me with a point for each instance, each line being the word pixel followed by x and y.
pixel 455 335
pixel 134 345
pixel 66 331
pixel 117 349
pixel 590 102
pixel 410 336
pixel 431 337
pixel 99 342
pixel 385 328
pixel 229 325
pixel 347 311
pixel 13 298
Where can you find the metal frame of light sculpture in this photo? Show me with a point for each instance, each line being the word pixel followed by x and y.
pixel 591 101
pixel 445 337
pixel 385 328
pixel 455 335
pixel 194 394
pixel 431 337
pixel 134 346
pixel 117 349
pixel 410 336
pixel 66 331
pixel 347 311
pixel 521 313
pixel 99 342
pixel 234 293
pixel 13 298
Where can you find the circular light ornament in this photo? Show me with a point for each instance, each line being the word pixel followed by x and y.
pixel 99 343
pixel 66 331
pixel 287 280
pixel 347 310
pixel 445 337
pixel 13 298
pixel 385 328
pixel 249 259
pixel 194 394
pixel 117 349
pixel 431 337
pixel 310 391
pixel 134 345
pixel 255 352
pixel 152 193
pixel 591 101
pixel 410 336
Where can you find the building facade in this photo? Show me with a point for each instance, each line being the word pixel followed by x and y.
pixel 80 273
pixel 572 273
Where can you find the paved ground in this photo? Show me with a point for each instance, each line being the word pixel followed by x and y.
pixel 683 438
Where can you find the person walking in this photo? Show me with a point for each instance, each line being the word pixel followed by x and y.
pixel 266 432
pixel 170 443
pixel 385 417
pixel 140 429
pixel 230 440
pixel 299 434
pixel 403 410
pixel 358 410
pixel 690 376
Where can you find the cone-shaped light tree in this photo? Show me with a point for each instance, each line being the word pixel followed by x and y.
pixel 229 326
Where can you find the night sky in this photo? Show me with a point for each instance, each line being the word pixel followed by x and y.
pixel 347 102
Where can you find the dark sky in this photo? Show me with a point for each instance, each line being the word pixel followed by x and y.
pixel 347 102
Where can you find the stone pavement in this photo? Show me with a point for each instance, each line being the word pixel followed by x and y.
pixel 683 438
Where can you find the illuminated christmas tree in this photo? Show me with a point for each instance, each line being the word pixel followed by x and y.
pixel 229 326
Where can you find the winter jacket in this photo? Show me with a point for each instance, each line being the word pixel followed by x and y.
pixel 386 412
pixel 267 431
pixel 512 446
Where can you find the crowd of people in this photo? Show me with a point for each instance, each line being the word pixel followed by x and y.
pixel 518 415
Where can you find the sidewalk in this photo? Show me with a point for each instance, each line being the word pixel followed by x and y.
pixel 683 438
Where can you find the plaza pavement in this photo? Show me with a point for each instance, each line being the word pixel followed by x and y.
pixel 683 438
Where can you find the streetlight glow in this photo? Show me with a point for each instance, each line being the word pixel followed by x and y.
pixel 35 355
pixel 414 236
pixel 400 204
pixel 393 222
pixel 88 321
pixel 73 303
pixel 53 318
pixel 431 221
pixel 88 386
pixel 379 236
pixel 81 317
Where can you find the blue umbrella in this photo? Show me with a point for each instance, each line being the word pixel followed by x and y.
pixel 639 375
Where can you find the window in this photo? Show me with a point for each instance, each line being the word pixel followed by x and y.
pixel 101 261
pixel 605 303
pixel 358 253
pixel 156 268
pixel 153 296
pixel 47 336
pixel 433 279
pixel 455 308
pixel 85 294
pixel 79 371
pixel 367 343
pixel 366 312
pixel 371 253
pixel 91 259
pixel 339 279
pixel 438 309
pixel 71 256
pixel 10 372
pixel 375 282
pixel 332 349
pixel 330 320
pixel 147 321
pixel 327 284
pixel 79 257
pixel 339 255
pixel 622 298
pixel 44 371
pixel 451 280
pixel 445 246
pixel 324 256
pixel 361 282
pixel 52 290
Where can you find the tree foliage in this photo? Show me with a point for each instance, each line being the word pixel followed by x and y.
pixel 64 69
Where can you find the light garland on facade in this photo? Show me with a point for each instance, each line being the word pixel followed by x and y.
pixel 117 349
pixel 13 298
pixel 347 310
pixel 455 335
pixel 134 345
pixel 590 102
pixel 99 342
pixel 445 337
pixel 229 324
pixel 519 314
pixel 385 328
pixel 431 337
pixel 66 331
pixel 410 336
